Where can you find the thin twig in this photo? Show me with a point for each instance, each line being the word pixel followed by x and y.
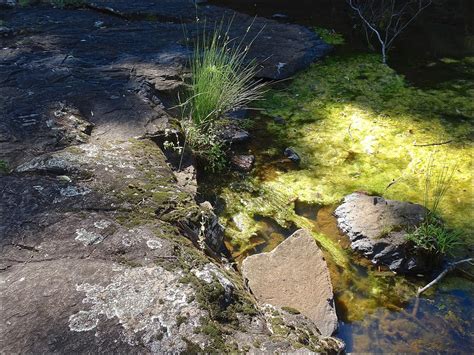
pixel 432 144
pixel 443 274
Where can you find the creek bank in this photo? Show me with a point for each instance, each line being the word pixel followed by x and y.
pixel 358 125
pixel 98 235
pixel 294 275
pixel 378 229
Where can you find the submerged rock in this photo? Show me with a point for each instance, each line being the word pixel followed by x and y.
pixel 294 276
pixel 377 228
pixel 243 162
pixel 232 134
pixel 291 154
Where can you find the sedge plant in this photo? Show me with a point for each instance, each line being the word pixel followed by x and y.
pixel 432 235
pixel 222 80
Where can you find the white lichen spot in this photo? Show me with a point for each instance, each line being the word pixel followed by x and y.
pixel 72 191
pixel 210 272
pixel 82 321
pixel 91 150
pixel 280 66
pixel 147 302
pixel 154 244
pixel 102 224
pixel 127 241
pixel 88 238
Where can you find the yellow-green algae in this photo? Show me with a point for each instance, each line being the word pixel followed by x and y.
pixel 357 125
pixel 244 206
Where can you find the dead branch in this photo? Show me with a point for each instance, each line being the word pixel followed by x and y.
pixel 450 267
pixel 432 144
pixel 387 19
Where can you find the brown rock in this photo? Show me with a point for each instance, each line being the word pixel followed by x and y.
pixel 294 275
pixel 243 162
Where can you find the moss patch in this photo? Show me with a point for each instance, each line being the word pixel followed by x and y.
pixel 4 168
pixel 329 36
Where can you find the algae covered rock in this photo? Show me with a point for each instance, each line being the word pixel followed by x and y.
pixel 294 276
pixel 378 228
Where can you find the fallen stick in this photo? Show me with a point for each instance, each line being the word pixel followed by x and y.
pixel 432 144
pixel 443 274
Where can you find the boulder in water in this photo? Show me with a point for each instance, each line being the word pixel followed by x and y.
pixel 378 228
pixel 294 276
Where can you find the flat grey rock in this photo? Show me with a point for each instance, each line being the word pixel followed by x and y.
pixel 294 275
pixel 378 228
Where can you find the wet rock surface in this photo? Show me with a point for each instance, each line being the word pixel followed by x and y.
pixel 377 228
pixel 294 275
pixel 292 155
pixel 299 46
pixel 243 163
pixel 99 237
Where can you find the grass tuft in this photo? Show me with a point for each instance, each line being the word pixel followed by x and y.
pixel 329 36
pixel 432 235
pixel 222 78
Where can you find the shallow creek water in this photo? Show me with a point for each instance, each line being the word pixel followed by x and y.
pixel 348 143
pixel 378 311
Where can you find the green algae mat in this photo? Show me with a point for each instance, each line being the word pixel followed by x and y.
pixel 358 126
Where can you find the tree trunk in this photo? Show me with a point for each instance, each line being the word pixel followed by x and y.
pixel 384 54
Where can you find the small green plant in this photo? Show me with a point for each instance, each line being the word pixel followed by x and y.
pixel 329 36
pixel 207 146
pixel 222 79
pixel 437 183
pixel 432 235
pixel 4 167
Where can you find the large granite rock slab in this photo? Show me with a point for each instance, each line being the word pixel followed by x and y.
pixel 298 47
pixel 378 227
pixel 101 248
pixel 113 72
pixel 294 275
